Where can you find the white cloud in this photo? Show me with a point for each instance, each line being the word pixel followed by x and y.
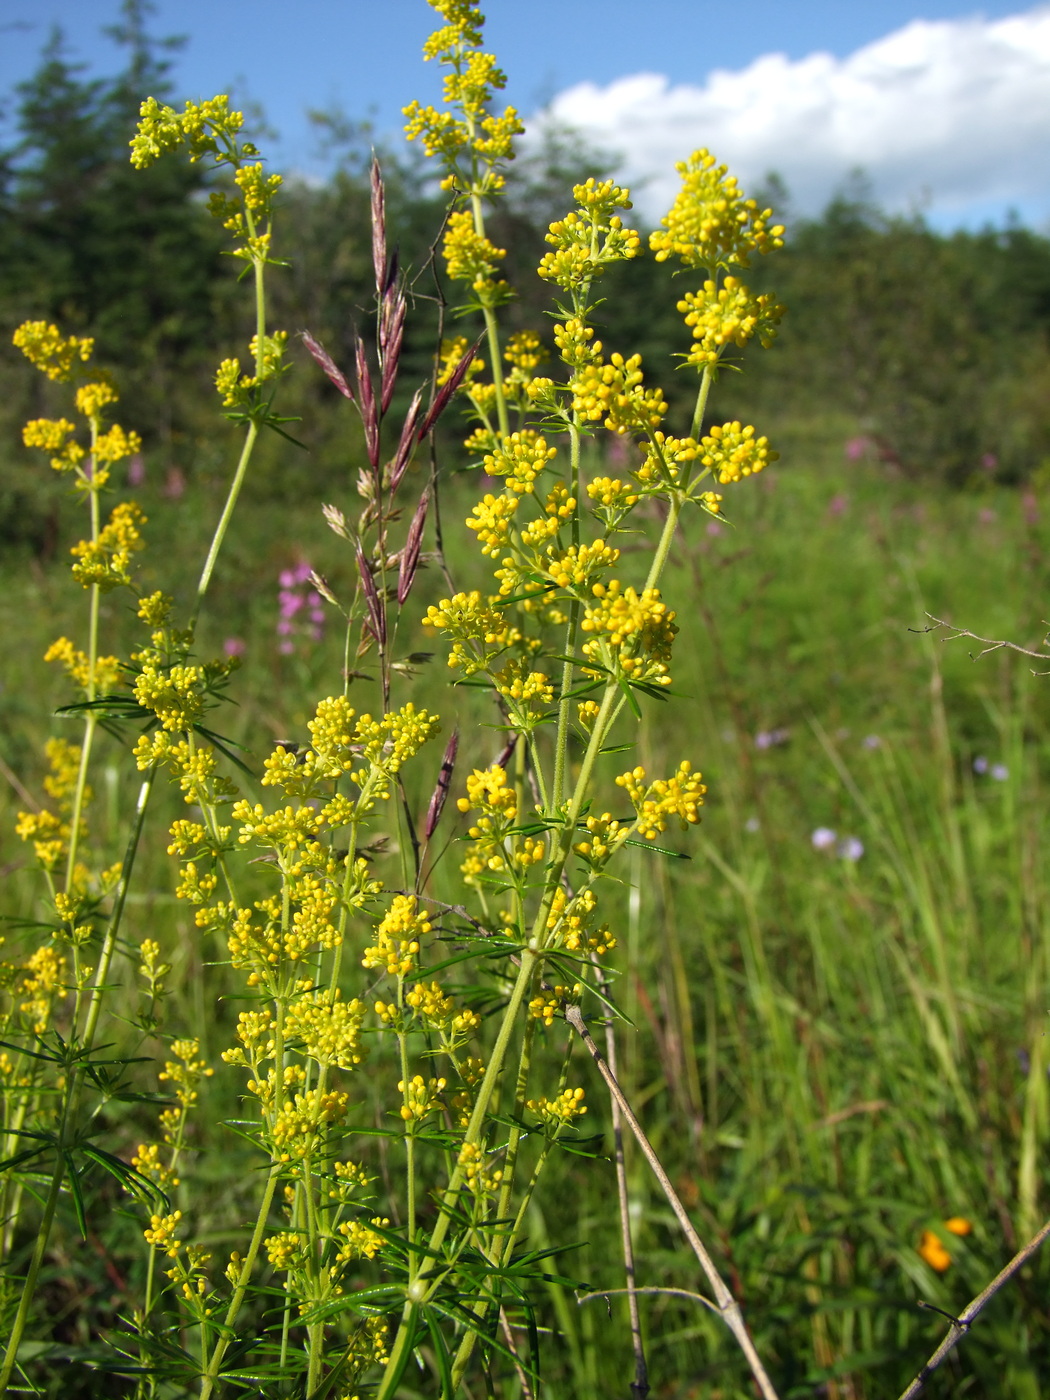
pixel 953 114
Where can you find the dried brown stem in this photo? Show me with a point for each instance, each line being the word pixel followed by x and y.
pixel 988 643
pixel 961 1324
pixel 725 1304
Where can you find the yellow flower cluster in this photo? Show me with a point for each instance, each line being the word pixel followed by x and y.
pixel 633 632
pixel 524 351
pixel 42 982
pixel 485 139
pixel 422 1097
pixel 286 1251
pixel 174 695
pixel 727 315
pixel 556 1112
pixel 615 392
pixel 479 1180
pixel 545 1006
pixel 612 499
pixel 77 666
pixel 570 923
pixel 589 238
pixel 49 351
pixel 186 1071
pixel 439 1012
pixel 711 224
pixel 327 1029
pixel 655 803
pixel 105 561
pixel 449 356
pixel 398 937
pixel 299 1127
pixel 471 258
pixel 163 129
pixel 731 452
pixel 520 458
pixel 579 565
pixel 363 1243
pixel 528 692
pixel 91 399
pixel 161 1232
pixel 605 836
pixel 489 793
pixel 147 1163
pixel 477 632
pixel 492 521
pixel 576 344
pixel 233 386
pixel 53 435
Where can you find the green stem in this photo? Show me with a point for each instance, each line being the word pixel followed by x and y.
pixel 701 402
pixel 90 720
pixel 224 521
pixel 29 1287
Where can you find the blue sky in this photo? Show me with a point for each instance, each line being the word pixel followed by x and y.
pixel 947 105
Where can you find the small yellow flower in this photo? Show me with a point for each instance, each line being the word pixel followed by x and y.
pixel 46 348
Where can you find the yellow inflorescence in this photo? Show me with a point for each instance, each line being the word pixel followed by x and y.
pixel 106 560
pixel 655 803
pixel 479 1179
pixel 571 923
pixel 562 1109
pixel 588 239
pixel 520 458
pixel 727 315
pixel 614 392
pixel 422 1097
pixel 732 451
pixel 711 224
pixel 53 435
pixel 328 1029
pixel 53 354
pixel 398 938
pixel 633 631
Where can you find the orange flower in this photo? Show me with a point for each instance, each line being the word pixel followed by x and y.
pixel 958 1225
pixel 933 1252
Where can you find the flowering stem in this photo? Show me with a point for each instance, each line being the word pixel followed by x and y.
pixel 90 720
pixel 276 1167
pixel 701 402
pixel 224 520
pixel 492 331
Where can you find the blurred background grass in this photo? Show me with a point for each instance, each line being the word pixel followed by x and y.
pixel 836 1048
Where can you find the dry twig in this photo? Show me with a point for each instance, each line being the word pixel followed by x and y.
pixel 988 643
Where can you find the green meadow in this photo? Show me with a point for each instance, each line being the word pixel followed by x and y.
pixel 832 1052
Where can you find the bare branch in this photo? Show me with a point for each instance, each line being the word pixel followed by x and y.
pixel 961 1324
pixel 726 1305
pixel 988 643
